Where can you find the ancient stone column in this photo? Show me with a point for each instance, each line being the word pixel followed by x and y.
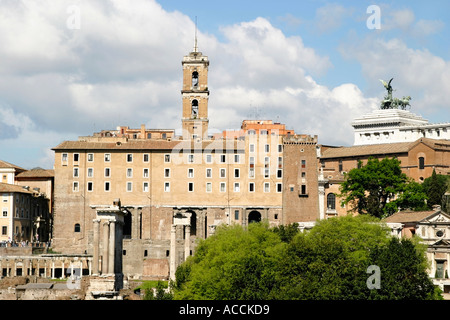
pixel 173 251
pixel 96 245
pixel 112 246
pixel 105 247
pixel 187 241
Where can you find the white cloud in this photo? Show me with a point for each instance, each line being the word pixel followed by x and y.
pixel 416 72
pixel 330 17
pixel 122 67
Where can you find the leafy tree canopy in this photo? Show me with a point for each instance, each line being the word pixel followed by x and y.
pixel 380 188
pixel 328 262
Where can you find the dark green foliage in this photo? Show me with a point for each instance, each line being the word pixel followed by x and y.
pixel 435 188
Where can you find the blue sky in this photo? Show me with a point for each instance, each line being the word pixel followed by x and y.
pixel 313 65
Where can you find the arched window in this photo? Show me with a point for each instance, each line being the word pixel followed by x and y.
pixel 194 108
pixel 194 79
pixel 77 228
pixel 331 201
pixel 421 163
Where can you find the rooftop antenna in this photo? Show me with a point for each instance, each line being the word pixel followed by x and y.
pixel 195 41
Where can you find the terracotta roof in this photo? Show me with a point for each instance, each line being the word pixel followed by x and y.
pixel 147 145
pixel 6 187
pixel 36 173
pixel 4 164
pixel 409 216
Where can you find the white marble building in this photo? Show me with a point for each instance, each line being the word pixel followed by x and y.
pixel 395 125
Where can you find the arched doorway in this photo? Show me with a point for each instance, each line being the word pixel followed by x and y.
pixel 254 216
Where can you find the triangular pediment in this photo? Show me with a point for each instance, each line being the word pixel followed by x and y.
pixel 437 217
pixel 441 243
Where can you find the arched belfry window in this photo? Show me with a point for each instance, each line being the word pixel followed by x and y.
pixel 194 79
pixel 331 201
pixel 194 108
pixel 77 228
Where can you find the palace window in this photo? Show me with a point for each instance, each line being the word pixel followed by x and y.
pixel 331 201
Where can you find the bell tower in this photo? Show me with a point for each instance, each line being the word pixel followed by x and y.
pixel 195 95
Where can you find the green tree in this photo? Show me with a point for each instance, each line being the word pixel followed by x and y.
pixel 234 263
pixel 435 188
pixel 403 268
pixel 379 188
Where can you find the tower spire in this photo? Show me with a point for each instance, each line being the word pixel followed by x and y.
pixel 195 38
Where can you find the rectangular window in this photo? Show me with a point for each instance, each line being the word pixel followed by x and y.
pixel 208 187
pixel 190 158
pixel 266 148
pixel 76 157
pixel 90 157
pixel 90 186
pixel 236 214
pixel 280 162
pixel 191 187
pixel 223 173
pixel 145 175
pixel 4 230
pixel 145 187
pixel 208 172
pixel 129 173
pixel 280 148
pixel 90 172
pixel 251 172
pixel 266 187
pixel 340 166
pixel 252 147
pixel 279 187
pixel 75 187
pixel 208 158
pixel 107 157
pixel 236 158
pixel 266 172
pixel 237 187
pixel 223 187
pixel 167 158
pixel 251 187
pixel 303 164
pixel 107 172
pixel 64 157
pixel 75 172
pixel 107 186
pixel 166 173
pixel 236 173
pixel 190 173
pixel 303 190
pixel 421 163
pixel 129 157
pixel 223 158
pixel 5 212
pixel 146 157
pixel 279 173
pixel 166 186
pixel 129 186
